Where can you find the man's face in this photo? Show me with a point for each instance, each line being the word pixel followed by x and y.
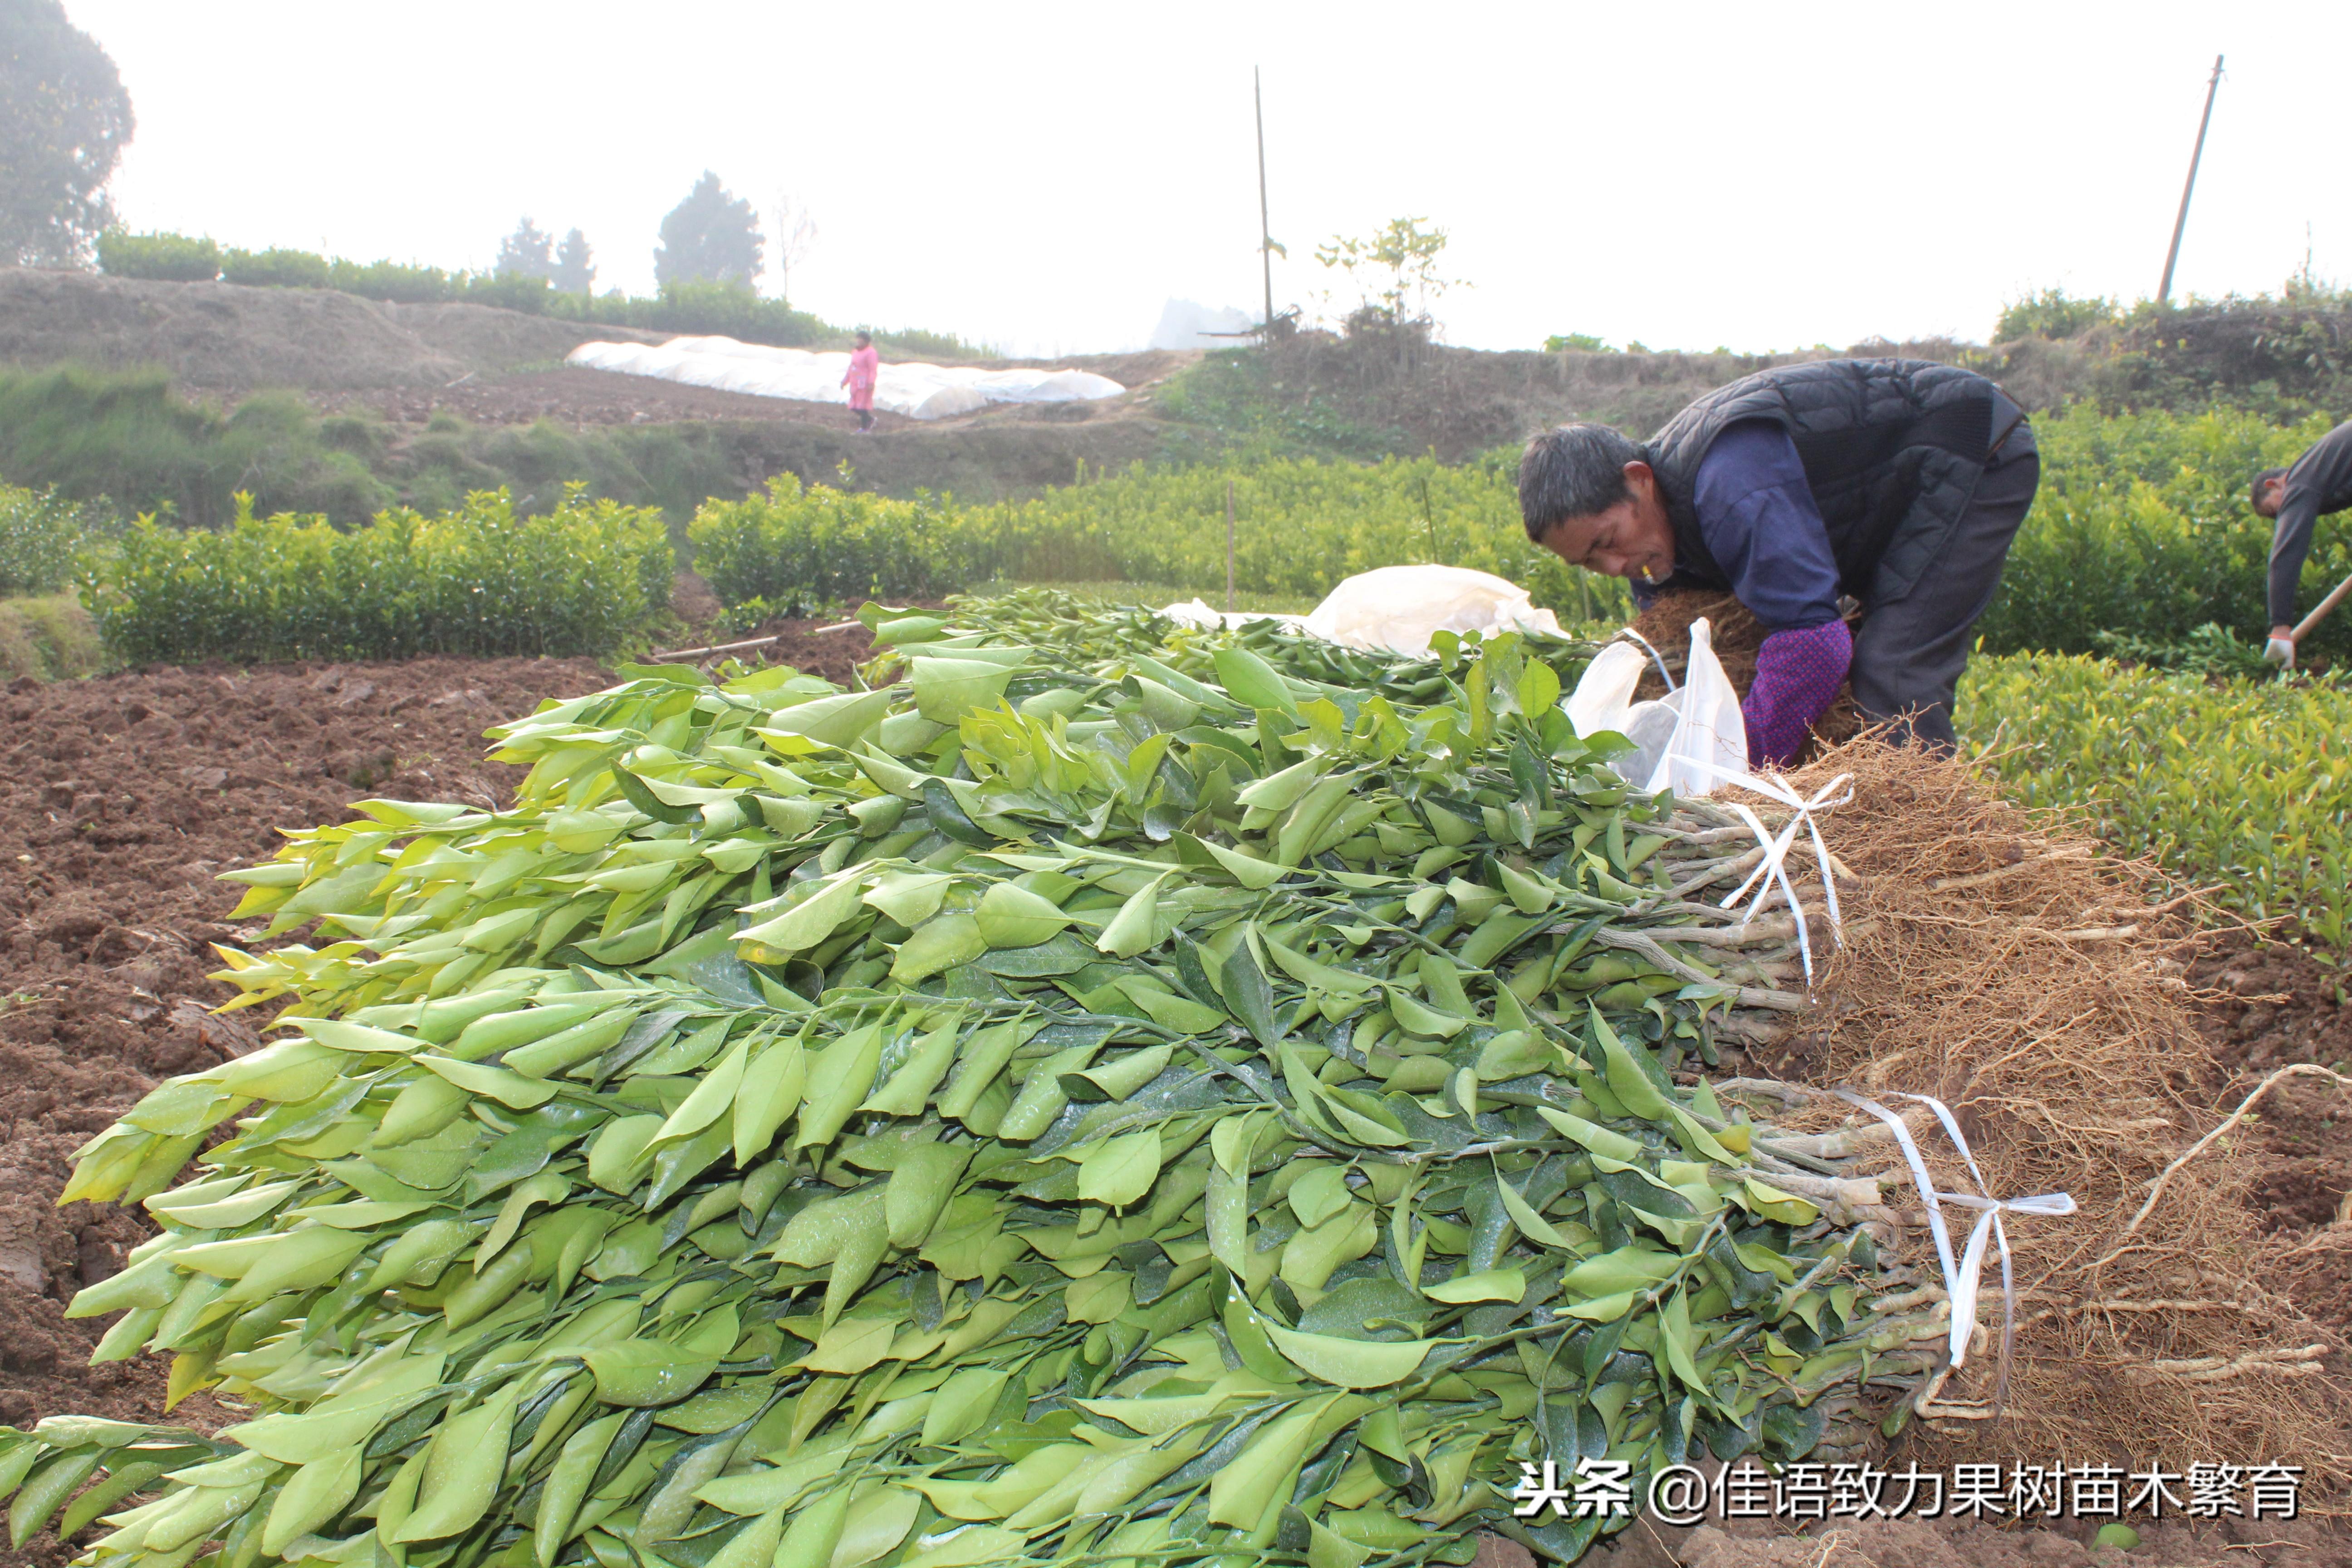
pixel 1633 539
pixel 2268 498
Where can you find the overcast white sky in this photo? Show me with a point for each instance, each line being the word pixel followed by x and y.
pixel 1045 176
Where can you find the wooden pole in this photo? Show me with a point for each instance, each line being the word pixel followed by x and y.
pixel 2320 614
pixel 2164 290
pixel 1229 544
pixel 1265 225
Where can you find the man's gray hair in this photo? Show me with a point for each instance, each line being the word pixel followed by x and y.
pixel 1573 470
pixel 2264 478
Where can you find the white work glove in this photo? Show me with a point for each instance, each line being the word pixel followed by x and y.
pixel 2280 651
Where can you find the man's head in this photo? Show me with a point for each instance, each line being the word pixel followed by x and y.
pixel 865 340
pixel 1588 495
pixel 2269 491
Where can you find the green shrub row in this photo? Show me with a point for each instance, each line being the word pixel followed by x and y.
pixel 588 578
pixel 1300 526
pixel 2243 786
pixel 180 259
pixel 698 308
pixel 2141 535
pixel 40 533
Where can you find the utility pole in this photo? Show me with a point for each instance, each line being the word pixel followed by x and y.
pixel 2164 290
pixel 1265 225
pixel 1229 545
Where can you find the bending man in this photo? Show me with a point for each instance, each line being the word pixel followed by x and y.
pixel 2320 481
pixel 1898 482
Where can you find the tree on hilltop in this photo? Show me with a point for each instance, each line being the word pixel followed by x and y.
pixel 64 121
pixel 710 237
pixel 576 265
pixel 527 252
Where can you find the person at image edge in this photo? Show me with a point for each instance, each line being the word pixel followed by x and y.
pixel 2295 498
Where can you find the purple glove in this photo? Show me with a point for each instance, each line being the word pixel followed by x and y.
pixel 1798 674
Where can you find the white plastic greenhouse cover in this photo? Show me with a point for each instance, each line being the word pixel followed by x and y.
pixel 917 391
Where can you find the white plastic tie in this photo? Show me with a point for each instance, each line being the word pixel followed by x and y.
pixel 1772 870
pixel 1656 657
pixel 1962 1275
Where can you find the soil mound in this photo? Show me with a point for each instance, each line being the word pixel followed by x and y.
pixel 222 335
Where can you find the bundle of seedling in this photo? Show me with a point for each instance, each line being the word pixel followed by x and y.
pixel 1121 1097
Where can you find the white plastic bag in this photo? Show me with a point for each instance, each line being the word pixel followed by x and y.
pixel 1692 741
pixel 1398 608
pixel 917 391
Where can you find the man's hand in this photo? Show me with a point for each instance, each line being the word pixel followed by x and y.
pixel 2280 651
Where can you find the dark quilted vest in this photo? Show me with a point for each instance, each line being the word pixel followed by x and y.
pixel 1892 448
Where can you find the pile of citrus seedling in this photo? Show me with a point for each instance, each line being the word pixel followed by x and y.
pixel 1102 1098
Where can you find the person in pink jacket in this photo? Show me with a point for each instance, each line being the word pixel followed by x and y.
pixel 865 369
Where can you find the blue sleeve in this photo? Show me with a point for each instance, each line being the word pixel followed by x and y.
pixel 1758 517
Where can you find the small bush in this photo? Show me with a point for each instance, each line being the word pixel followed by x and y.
pixel 1583 343
pixel 586 578
pixel 49 638
pixel 163 258
pixel 40 532
pixel 798 546
pixel 396 282
pixel 2209 650
pixel 2053 313
pixel 508 291
pixel 275 269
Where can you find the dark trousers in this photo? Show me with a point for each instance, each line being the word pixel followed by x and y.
pixel 1908 655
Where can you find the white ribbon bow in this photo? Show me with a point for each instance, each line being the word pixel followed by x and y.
pixel 1962 1278
pixel 1772 870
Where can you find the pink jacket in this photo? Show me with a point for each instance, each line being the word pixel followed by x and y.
pixel 865 368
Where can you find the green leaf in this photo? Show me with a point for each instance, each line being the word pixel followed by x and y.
pixel 1252 683
pixel 942 942
pixel 1538 688
pixel 1247 869
pixel 1626 1269
pixel 314 1494
pixel 1489 1285
pixel 948 689
pixel 645 1373
pixel 1627 1081
pixel 1349 1364
pixel 962 1403
pixel 1250 997
pixel 832 721
pixel 1011 916
pixel 1120 1170
pixel 839 1077
pixel 811 921
pixel 850 1345
pixel 1134 928
pixel 1532 1225
pixel 1320 1193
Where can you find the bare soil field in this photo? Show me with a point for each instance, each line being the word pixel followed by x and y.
pixel 120 800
